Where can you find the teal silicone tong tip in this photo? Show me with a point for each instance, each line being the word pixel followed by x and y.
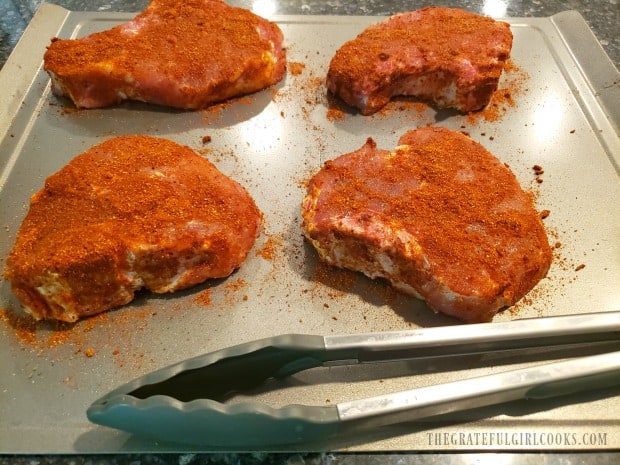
pixel 209 423
pixel 186 402
pixel 192 410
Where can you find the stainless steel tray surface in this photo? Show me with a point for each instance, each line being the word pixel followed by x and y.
pixel 558 107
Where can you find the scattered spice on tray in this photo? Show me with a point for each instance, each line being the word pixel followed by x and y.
pixel 269 251
pixel 24 327
pixel 203 297
pixel 497 107
pixel 66 110
pixel 505 97
pixel 335 114
pixel 418 107
pixel 309 87
pixel 296 68
pixel 204 151
pixel 215 112
pixel 232 289
pixel 219 156
pixel 43 337
pixel 414 108
pixel 538 172
pixel 335 278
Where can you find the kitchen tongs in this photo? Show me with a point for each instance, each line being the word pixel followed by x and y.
pixel 185 402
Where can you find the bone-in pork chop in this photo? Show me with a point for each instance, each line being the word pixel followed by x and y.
pixel 448 56
pixel 184 54
pixel 132 212
pixel 440 217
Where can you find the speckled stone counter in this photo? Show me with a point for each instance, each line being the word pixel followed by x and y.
pixel 602 16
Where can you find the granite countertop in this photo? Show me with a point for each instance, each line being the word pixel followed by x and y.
pixel 602 16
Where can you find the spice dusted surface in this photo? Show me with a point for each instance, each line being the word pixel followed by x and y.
pixel 132 212
pixel 511 89
pixel 449 56
pixel 440 217
pixel 187 55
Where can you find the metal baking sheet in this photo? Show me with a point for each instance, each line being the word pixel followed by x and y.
pixel 558 107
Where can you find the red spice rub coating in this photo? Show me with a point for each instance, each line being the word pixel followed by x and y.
pixel 131 212
pixel 185 54
pixel 440 217
pixel 449 56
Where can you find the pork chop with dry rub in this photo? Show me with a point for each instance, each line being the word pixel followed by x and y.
pixel 440 217
pixel 447 56
pixel 132 212
pixel 184 54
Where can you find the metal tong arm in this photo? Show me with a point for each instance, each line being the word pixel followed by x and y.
pixel 537 382
pixel 182 403
pixel 220 374
pixel 479 338
pixel 246 425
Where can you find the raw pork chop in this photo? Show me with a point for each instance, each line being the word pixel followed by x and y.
pixel 185 54
pixel 448 56
pixel 133 212
pixel 440 217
